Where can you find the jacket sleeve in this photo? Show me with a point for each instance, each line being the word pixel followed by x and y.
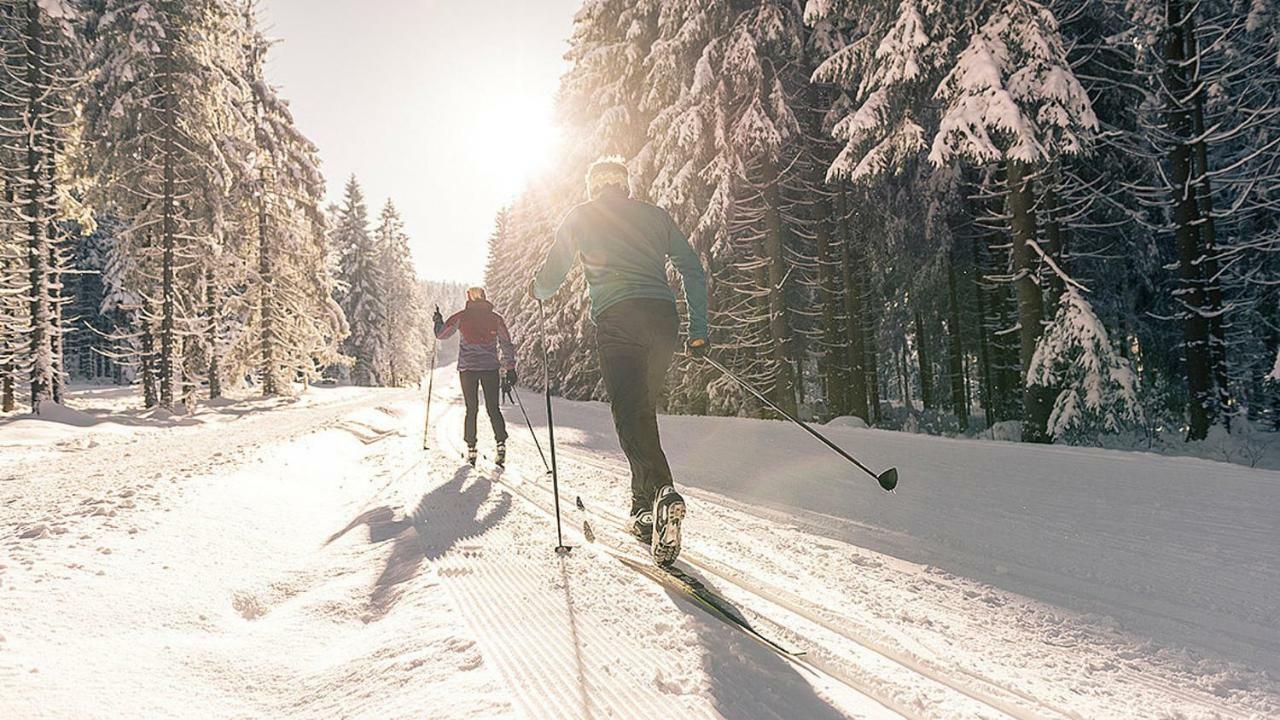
pixel 507 347
pixel 695 278
pixel 555 268
pixel 446 329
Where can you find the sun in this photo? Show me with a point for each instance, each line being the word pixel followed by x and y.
pixel 516 140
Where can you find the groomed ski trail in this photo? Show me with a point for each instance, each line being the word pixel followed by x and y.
pixel 900 671
pixel 907 689
pixel 582 636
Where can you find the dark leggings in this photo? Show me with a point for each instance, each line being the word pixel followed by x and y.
pixel 472 380
pixel 637 339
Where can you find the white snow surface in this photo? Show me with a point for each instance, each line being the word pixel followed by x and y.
pixel 306 558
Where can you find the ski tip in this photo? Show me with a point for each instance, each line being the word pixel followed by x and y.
pixel 578 501
pixel 888 479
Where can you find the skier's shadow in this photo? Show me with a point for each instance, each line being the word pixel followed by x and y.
pixel 748 680
pixel 444 517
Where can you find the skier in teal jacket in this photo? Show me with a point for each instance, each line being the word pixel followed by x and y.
pixel 624 245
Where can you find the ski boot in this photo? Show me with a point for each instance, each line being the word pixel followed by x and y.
pixel 500 455
pixel 640 524
pixel 668 517
pixel 471 455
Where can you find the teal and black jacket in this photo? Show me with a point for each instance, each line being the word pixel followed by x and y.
pixel 624 245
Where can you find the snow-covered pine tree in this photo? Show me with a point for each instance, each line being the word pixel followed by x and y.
pixel 165 87
pixel 298 324
pixel 1264 19
pixel 402 325
pixel 1009 95
pixel 724 159
pixel 1012 98
pixel 844 338
pixel 1097 388
pixel 40 52
pixel 1208 118
pixel 361 288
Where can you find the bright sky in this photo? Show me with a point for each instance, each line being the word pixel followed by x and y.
pixel 443 106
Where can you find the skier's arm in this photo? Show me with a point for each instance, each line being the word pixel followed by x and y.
pixel 558 263
pixel 446 329
pixel 507 347
pixel 695 279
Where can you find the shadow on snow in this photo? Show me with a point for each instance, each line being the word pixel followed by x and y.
pixel 444 517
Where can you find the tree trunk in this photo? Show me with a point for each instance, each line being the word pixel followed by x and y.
pixel 266 293
pixel 856 351
pixel 1054 248
pixel 835 376
pixel 168 231
pixel 37 242
pixel 784 390
pixel 149 399
pixel 211 307
pixel 959 396
pixel 1186 217
pixel 57 369
pixel 984 328
pixel 873 365
pixel 1209 237
pixel 926 365
pixel 903 376
pixel 1035 400
pixel 8 338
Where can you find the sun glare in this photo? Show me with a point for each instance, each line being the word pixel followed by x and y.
pixel 516 140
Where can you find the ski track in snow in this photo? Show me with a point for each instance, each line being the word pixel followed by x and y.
pixel 312 561
pixel 1016 655
pixel 875 674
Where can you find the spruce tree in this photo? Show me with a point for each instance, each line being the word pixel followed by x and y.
pixel 361 288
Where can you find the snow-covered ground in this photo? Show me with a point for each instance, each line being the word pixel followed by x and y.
pixel 313 561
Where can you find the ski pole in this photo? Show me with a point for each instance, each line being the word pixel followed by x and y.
pixel 516 394
pixel 431 379
pixel 561 548
pixel 887 479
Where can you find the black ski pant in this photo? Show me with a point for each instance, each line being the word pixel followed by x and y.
pixel 472 381
pixel 636 341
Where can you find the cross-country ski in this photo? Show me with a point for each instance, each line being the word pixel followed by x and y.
pixel 581 359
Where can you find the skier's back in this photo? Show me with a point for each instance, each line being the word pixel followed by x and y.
pixel 484 349
pixel 624 245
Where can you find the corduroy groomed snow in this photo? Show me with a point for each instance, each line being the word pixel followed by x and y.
pixel 609 170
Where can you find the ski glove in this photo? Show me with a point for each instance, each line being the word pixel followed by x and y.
pixel 509 380
pixel 437 317
pixel 698 347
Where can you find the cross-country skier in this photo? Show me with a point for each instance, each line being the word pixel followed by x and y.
pixel 624 245
pixel 484 333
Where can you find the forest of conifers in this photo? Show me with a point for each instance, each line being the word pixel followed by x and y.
pixel 943 215
pixel 162 219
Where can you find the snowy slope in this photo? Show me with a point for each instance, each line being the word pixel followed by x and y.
pixel 312 561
